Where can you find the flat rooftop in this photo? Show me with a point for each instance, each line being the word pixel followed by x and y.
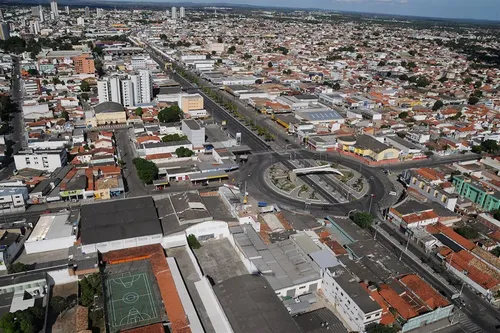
pixel 51 226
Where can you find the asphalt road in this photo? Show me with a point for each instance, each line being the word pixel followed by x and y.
pixel 133 185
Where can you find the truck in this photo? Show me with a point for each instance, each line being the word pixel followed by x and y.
pixel 262 204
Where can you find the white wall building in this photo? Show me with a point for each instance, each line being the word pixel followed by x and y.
pixel 351 300
pixel 52 232
pixel 80 21
pixel 128 93
pixel 146 86
pixel 182 12
pixel 53 9
pixel 13 199
pixel 115 89
pixel 47 160
pixel 174 13
pixel 194 132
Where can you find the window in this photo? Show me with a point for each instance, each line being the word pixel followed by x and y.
pixel 303 287
pixel 368 317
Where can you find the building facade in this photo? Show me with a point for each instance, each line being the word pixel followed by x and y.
pixel 84 64
pixel 43 159
pixel 487 199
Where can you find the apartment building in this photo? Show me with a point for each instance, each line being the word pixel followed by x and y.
pixel 194 132
pixel 352 301
pixel 478 192
pixel 84 64
pixel 43 159
pixel 13 199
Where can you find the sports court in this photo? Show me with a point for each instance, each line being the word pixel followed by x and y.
pixel 132 296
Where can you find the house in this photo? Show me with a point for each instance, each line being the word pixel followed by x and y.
pixel 367 146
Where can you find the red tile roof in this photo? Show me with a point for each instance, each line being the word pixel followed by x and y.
pixel 397 302
pixel 441 228
pixel 424 291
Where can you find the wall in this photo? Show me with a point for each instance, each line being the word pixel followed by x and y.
pixel 214 309
pixel 49 244
pixel 62 276
pixel 299 289
pixel 428 318
pixel 122 244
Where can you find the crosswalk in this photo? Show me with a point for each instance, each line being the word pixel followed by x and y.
pixel 467 325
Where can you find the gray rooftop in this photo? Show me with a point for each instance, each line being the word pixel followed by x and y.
pixel 284 263
pixel 355 291
pixel 314 322
pixel 251 306
pixel 108 107
pixel 192 124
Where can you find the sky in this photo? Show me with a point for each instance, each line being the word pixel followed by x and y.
pixel 470 9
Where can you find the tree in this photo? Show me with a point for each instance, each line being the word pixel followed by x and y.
pixel 489 146
pixel 65 115
pixel 404 77
pixel 170 114
pixel 138 111
pixel 363 219
pixel 496 251
pixel 85 86
pixel 467 232
pixel 33 72
pixel 477 149
pixel 496 214
pixel 173 138
pixel 184 152
pixel 270 64
pixel 231 49
pixel 84 96
pixel 146 170
pixel 58 304
pixel 379 328
pixel 403 115
pixel 468 80
pixel 17 267
pixel 97 50
pixel 23 321
pixel 473 100
pixel 437 105
pixel 193 242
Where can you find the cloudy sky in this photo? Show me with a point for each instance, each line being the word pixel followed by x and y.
pixel 475 9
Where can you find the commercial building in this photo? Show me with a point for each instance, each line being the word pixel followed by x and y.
pixel 189 103
pixel 119 224
pixel 352 301
pixel 13 199
pixel 194 132
pixel 84 64
pixel 478 192
pixel 53 232
pixel 23 291
pixel 367 146
pixel 110 113
pixel 251 306
pixel 41 159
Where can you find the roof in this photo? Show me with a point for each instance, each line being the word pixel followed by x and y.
pixel 314 322
pixel 119 219
pixel 251 306
pixel 424 291
pixel 108 107
pixel 192 124
pixel 368 142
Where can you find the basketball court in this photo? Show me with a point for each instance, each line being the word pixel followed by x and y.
pixel 132 299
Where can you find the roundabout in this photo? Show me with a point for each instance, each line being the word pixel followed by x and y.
pixel 268 179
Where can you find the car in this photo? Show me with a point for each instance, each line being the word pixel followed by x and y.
pixel 393 193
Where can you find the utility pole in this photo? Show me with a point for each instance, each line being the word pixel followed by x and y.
pixel 406 248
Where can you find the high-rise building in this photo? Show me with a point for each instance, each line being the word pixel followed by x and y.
pixel 167 13
pixel 80 21
pixel 84 64
pixel 66 9
pixel 99 12
pixel 128 93
pixel 136 88
pixel 174 13
pixel 1 14
pixel 35 11
pixel 182 12
pixel 35 27
pixel 40 14
pixel 4 31
pixel 103 91
pixel 54 9
pixel 87 11
pixel 146 85
pixel 115 89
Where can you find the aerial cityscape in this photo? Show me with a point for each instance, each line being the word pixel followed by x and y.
pixel 220 168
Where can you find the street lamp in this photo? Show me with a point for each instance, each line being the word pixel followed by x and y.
pixel 371 200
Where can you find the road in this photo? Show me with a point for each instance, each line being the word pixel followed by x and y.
pixel 133 185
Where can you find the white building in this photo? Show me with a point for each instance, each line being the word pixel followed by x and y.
pixel 138 63
pixel 44 159
pixel 115 89
pixel 128 93
pixel 146 86
pixel 99 12
pixel 35 27
pixel 182 12
pixel 66 9
pixel 35 112
pixel 13 199
pixel 174 13
pixel 350 299
pixel 194 132
pixel 52 232
pixel 53 9
pixel 80 21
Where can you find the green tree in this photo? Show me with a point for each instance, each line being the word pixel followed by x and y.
pixel 85 86
pixel 17 267
pixel 97 50
pixel 363 219
pixel 477 149
pixel 231 49
pixel 184 152
pixel 138 111
pixel 146 170
pixel 496 251
pixel 467 232
pixel 473 100
pixel 489 146
pixel 403 115
pixel 170 114
pixel 174 138
pixel 379 328
pixel 496 214
pixel 270 64
pixel 58 304
pixel 65 115
pixel 468 80
pixel 437 105
pixel 33 72
pixel 193 242
pixel 404 77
